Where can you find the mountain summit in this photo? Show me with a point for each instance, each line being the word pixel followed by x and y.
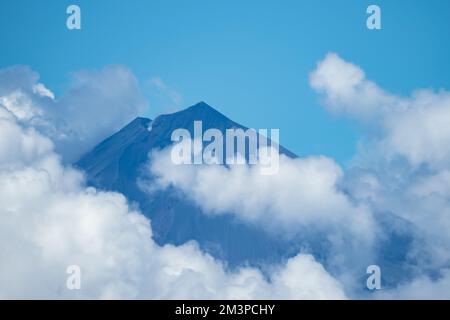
pixel 117 163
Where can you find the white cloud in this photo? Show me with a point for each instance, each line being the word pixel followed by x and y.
pixel 346 89
pixel 404 169
pixel 95 105
pixel 303 192
pixel 422 132
pixel 50 220
pixel 414 127
pixel 20 146
pixel 302 199
pixel 421 288
pixel 41 90
pixel 21 106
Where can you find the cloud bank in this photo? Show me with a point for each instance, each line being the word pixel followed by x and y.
pixel 400 177
pixel 50 220
pixel 302 199
pixel 404 166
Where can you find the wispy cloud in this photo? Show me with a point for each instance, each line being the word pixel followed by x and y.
pixel 164 97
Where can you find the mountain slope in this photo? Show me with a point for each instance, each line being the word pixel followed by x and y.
pixel 117 163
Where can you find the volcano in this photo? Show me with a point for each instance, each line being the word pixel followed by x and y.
pixel 117 163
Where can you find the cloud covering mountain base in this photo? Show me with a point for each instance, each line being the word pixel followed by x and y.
pixel 50 220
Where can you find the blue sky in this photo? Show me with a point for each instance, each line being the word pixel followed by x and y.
pixel 248 59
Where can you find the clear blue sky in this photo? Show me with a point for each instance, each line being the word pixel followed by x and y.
pixel 249 59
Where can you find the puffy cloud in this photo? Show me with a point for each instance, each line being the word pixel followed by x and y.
pixel 404 167
pixel 20 146
pixel 95 105
pixel 195 276
pixel 304 192
pixel 50 220
pixel 302 202
pixel 20 105
pixel 409 154
pixel 420 133
pixel 414 127
pixel 346 89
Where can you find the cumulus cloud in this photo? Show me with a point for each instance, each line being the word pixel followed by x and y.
pixel 403 168
pixel 347 91
pixel 49 220
pixel 410 147
pixel 301 201
pixel 303 192
pixel 415 127
pixel 20 146
pixel 421 132
pixel 95 105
